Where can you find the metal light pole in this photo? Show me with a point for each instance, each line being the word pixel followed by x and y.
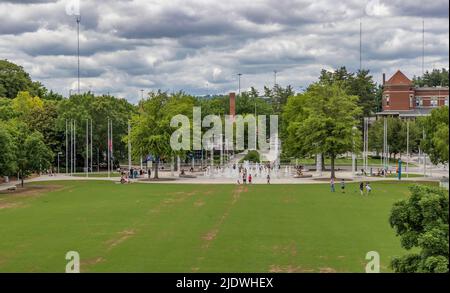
pixel 59 153
pixel 67 150
pixel 78 49
pixel 129 146
pixel 239 83
pixel 275 78
pixel 407 148
pixel 424 156
pixel 108 148
pixel 92 154
pixel 353 153
pixel 74 146
pixel 87 148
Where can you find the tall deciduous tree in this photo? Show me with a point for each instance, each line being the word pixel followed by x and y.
pixel 328 125
pixel 421 221
pixel 7 151
pixel 437 77
pixel 436 139
pixel 360 84
pixel 13 79
pixel 32 154
pixel 396 136
pixel 151 130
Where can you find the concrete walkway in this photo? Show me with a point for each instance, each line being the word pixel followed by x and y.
pixel 221 180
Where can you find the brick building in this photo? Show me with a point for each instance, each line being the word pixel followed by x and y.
pixel 402 99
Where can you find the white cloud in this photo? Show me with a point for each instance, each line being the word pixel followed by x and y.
pixel 129 45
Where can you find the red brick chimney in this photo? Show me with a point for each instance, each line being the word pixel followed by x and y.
pixel 233 104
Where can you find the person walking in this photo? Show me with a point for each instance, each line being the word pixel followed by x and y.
pixel 268 179
pixel 244 178
pixel 361 188
pixel 368 188
pixel 343 186
pixel 250 179
pixel 332 184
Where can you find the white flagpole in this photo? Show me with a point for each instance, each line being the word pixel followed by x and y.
pixel 112 147
pixel 407 148
pixel 75 146
pixel 87 148
pixel 92 154
pixel 108 156
pixel 129 146
pixel 67 151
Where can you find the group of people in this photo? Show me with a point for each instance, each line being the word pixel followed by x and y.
pixel 363 187
pixel 249 178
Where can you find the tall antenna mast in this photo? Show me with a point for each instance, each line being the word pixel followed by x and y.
pixel 78 18
pixel 360 45
pixel 239 85
pixel 423 46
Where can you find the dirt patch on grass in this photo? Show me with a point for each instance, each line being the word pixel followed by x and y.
pixel 31 190
pixel 121 237
pixel 288 269
pixel 289 249
pixel 327 270
pixel 90 262
pixel 212 234
pixel 180 197
pixel 199 203
pixel 237 193
pixel 11 199
pixel 8 205
pixel 288 199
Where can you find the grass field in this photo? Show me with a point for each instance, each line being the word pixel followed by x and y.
pixel 196 228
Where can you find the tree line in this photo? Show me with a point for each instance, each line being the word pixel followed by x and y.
pixel 326 118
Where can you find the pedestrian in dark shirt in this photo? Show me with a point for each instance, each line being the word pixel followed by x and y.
pixel 343 186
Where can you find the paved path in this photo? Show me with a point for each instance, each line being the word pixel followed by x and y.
pixel 221 180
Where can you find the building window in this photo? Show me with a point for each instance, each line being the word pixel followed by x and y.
pixel 387 98
pixel 434 102
pixel 446 101
pixel 411 99
pixel 419 102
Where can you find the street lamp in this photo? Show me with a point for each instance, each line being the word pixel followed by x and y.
pixel 239 83
pixel 353 152
pixel 60 153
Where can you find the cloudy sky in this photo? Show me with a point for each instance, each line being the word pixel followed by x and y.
pixel 199 46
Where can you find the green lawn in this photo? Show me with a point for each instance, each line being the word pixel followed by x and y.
pixel 196 228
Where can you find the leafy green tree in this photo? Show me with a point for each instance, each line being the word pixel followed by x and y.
pixel 13 79
pixel 328 123
pixel 151 130
pixel 437 77
pixel 25 103
pixel 396 137
pixel 293 114
pixel 6 109
pixel 436 139
pixel 7 153
pixel 32 154
pixel 251 156
pixel 360 84
pixel 421 221
pixel 99 109
pixel 278 97
pixel 44 119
